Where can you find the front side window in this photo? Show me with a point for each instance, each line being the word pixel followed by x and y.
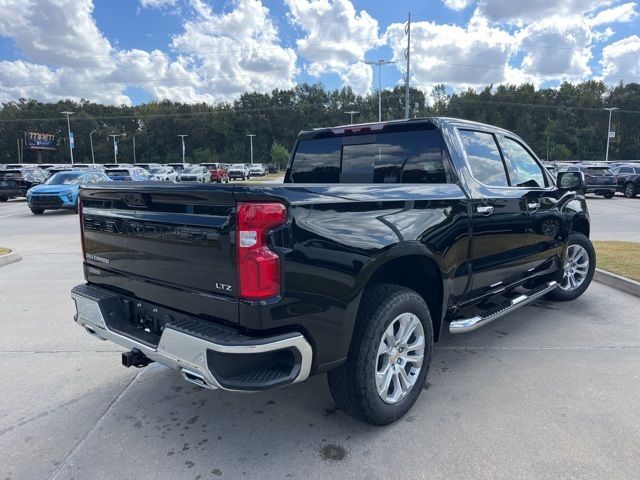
pixel 523 169
pixel 484 158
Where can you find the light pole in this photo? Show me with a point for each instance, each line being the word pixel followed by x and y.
pixel 548 120
pixel 611 109
pixel 115 148
pixel 251 135
pixel 69 133
pixel 91 142
pixel 380 63
pixel 134 149
pixel 182 138
pixel 352 113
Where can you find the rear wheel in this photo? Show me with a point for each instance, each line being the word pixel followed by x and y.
pixel 579 267
pixel 630 190
pixel 37 211
pixel 4 199
pixel 389 357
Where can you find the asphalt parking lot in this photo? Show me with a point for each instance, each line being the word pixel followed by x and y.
pixel 548 392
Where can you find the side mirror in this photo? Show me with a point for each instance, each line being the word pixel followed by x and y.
pixel 570 180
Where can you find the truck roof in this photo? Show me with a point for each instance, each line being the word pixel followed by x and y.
pixel 374 126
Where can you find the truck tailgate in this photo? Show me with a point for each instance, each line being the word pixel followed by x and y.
pixel 166 244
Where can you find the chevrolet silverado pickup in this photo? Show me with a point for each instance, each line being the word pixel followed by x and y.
pixel 382 237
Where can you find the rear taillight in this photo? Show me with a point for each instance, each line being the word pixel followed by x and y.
pixel 84 250
pixel 258 266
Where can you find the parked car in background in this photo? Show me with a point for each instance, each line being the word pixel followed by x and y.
pixel 628 179
pixel 53 170
pixel 12 166
pixel 147 166
pixel 258 170
pixel 195 174
pixel 226 166
pixel 135 174
pixel 178 167
pixel 272 168
pixel 115 165
pixel 15 182
pixel 599 179
pixel 239 171
pixel 60 191
pixel 218 174
pixel 164 173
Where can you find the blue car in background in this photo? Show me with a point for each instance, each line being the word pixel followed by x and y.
pixel 61 190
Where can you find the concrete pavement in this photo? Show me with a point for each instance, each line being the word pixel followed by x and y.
pixel 548 392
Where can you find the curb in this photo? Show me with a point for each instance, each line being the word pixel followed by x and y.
pixel 618 282
pixel 10 257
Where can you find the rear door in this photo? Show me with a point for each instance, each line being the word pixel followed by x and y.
pixel 504 244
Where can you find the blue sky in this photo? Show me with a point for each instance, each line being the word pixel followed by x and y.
pixel 132 51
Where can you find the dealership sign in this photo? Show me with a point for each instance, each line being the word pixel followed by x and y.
pixel 39 141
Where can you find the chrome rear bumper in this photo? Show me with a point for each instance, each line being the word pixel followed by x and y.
pixel 184 352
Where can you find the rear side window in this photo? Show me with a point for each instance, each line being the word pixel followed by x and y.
pixel 416 156
pixel 484 157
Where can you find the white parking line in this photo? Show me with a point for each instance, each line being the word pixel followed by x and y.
pixel 13 215
pixel 7 205
pixel 617 206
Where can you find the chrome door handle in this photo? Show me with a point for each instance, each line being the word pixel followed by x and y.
pixel 484 209
pixel 533 205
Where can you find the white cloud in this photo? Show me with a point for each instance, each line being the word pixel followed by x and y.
pixel 556 49
pixel 336 39
pixel 621 60
pixel 219 57
pixel 471 56
pixel 522 12
pixel 622 13
pixel 457 4
pixel 234 52
pixel 158 3
pixel 66 36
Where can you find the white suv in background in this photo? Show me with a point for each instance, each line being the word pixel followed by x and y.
pixel 258 169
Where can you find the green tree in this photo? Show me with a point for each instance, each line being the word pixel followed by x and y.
pixel 279 155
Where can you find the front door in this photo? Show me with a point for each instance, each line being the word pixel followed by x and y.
pixel 505 246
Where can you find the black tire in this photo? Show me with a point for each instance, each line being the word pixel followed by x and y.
pixel 4 199
pixel 353 384
pixel 630 190
pixel 561 295
pixel 37 211
pixel 608 195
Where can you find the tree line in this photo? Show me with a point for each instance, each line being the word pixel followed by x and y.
pixel 561 123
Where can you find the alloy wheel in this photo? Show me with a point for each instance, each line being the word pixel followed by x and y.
pixel 576 268
pixel 399 358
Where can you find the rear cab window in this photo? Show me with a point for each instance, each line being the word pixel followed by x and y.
pixel 398 154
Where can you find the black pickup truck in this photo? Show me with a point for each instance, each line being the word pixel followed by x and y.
pixel 381 237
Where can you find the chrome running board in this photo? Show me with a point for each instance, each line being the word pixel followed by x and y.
pixel 464 325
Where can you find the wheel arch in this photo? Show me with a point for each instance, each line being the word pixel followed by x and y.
pixel 417 271
pixel 580 224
